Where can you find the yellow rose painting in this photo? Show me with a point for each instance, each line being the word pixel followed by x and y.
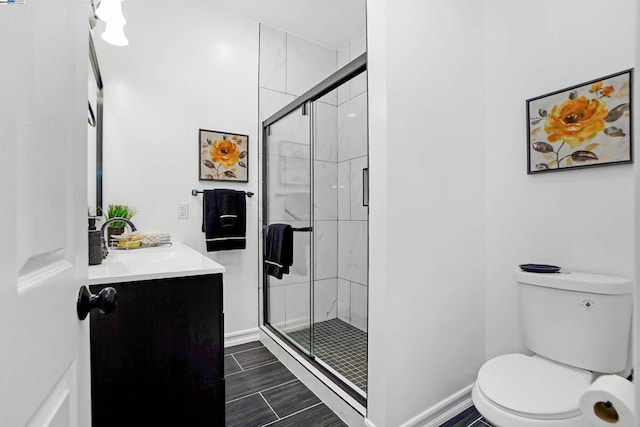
pixel 224 152
pixel 575 121
pixel 223 156
pixel 584 125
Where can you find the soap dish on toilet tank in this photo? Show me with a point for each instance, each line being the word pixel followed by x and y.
pixel 539 268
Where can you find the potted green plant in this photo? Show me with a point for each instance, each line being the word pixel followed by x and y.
pixel 117 227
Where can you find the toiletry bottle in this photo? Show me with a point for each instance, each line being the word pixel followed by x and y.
pixel 95 243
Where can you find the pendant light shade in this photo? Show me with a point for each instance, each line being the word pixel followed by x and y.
pixel 110 11
pixel 114 34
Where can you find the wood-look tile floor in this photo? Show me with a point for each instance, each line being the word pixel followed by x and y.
pixel 261 391
pixel 469 418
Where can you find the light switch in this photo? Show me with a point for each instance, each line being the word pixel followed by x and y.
pixel 183 210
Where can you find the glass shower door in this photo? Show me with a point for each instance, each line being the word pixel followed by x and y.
pixel 288 171
pixel 315 178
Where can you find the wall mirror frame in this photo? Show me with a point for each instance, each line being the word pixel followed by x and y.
pixel 95 144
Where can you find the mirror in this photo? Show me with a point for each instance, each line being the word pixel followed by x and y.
pixel 94 135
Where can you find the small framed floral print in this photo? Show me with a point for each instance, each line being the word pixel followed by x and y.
pixel 581 126
pixel 224 156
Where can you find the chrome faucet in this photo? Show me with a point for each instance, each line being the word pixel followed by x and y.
pixel 105 250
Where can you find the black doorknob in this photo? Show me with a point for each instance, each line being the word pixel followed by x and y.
pixel 105 301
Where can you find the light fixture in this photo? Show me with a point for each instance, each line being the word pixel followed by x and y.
pixel 114 34
pixel 110 11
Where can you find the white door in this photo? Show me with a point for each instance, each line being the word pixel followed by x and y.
pixel 44 366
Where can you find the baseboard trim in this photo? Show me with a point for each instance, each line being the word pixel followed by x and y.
pixel 439 413
pixel 241 337
pixel 442 411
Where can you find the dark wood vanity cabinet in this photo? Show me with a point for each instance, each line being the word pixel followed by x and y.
pixel 158 358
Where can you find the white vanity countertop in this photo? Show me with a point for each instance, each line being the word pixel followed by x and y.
pixel 176 260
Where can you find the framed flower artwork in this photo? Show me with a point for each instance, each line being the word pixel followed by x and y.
pixel 581 126
pixel 224 156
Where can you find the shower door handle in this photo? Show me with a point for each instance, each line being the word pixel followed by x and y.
pixel 365 187
pixel 302 229
pixel 264 227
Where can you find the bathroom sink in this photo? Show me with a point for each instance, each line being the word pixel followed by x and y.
pixel 157 252
pixel 158 262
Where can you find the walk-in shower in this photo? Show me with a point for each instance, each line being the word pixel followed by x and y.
pixel 315 177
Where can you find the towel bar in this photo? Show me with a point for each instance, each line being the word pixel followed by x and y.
pixel 196 192
pixel 295 228
pixel 302 229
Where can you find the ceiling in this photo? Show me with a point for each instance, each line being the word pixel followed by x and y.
pixel 331 23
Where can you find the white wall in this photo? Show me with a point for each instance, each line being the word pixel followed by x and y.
pixel 452 210
pixel 581 220
pixel 189 65
pixel 427 198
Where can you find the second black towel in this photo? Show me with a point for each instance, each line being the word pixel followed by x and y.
pixel 278 252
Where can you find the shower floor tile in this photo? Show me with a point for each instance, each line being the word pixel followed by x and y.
pixel 341 346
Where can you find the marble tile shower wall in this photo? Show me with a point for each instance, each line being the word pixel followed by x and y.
pixel 352 158
pixel 288 67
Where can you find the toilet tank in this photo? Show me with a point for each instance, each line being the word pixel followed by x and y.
pixel 579 319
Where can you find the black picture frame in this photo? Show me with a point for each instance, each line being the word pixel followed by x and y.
pixel 223 156
pixel 582 126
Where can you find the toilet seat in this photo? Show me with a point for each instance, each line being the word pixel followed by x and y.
pixel 531 388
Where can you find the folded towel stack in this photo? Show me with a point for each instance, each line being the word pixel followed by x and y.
pixel 137 239
pixel 156 238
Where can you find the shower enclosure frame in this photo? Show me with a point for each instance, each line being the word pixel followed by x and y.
pixel 304 101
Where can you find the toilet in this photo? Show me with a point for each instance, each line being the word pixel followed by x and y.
pixel 577 325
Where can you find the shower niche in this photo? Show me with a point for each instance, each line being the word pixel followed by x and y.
pixel 315 177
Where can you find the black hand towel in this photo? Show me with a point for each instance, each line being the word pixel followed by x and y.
pixel 278 255
pixel 224 219
pixel 227 206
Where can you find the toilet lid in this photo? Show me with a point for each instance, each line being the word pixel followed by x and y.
pixel 533 387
